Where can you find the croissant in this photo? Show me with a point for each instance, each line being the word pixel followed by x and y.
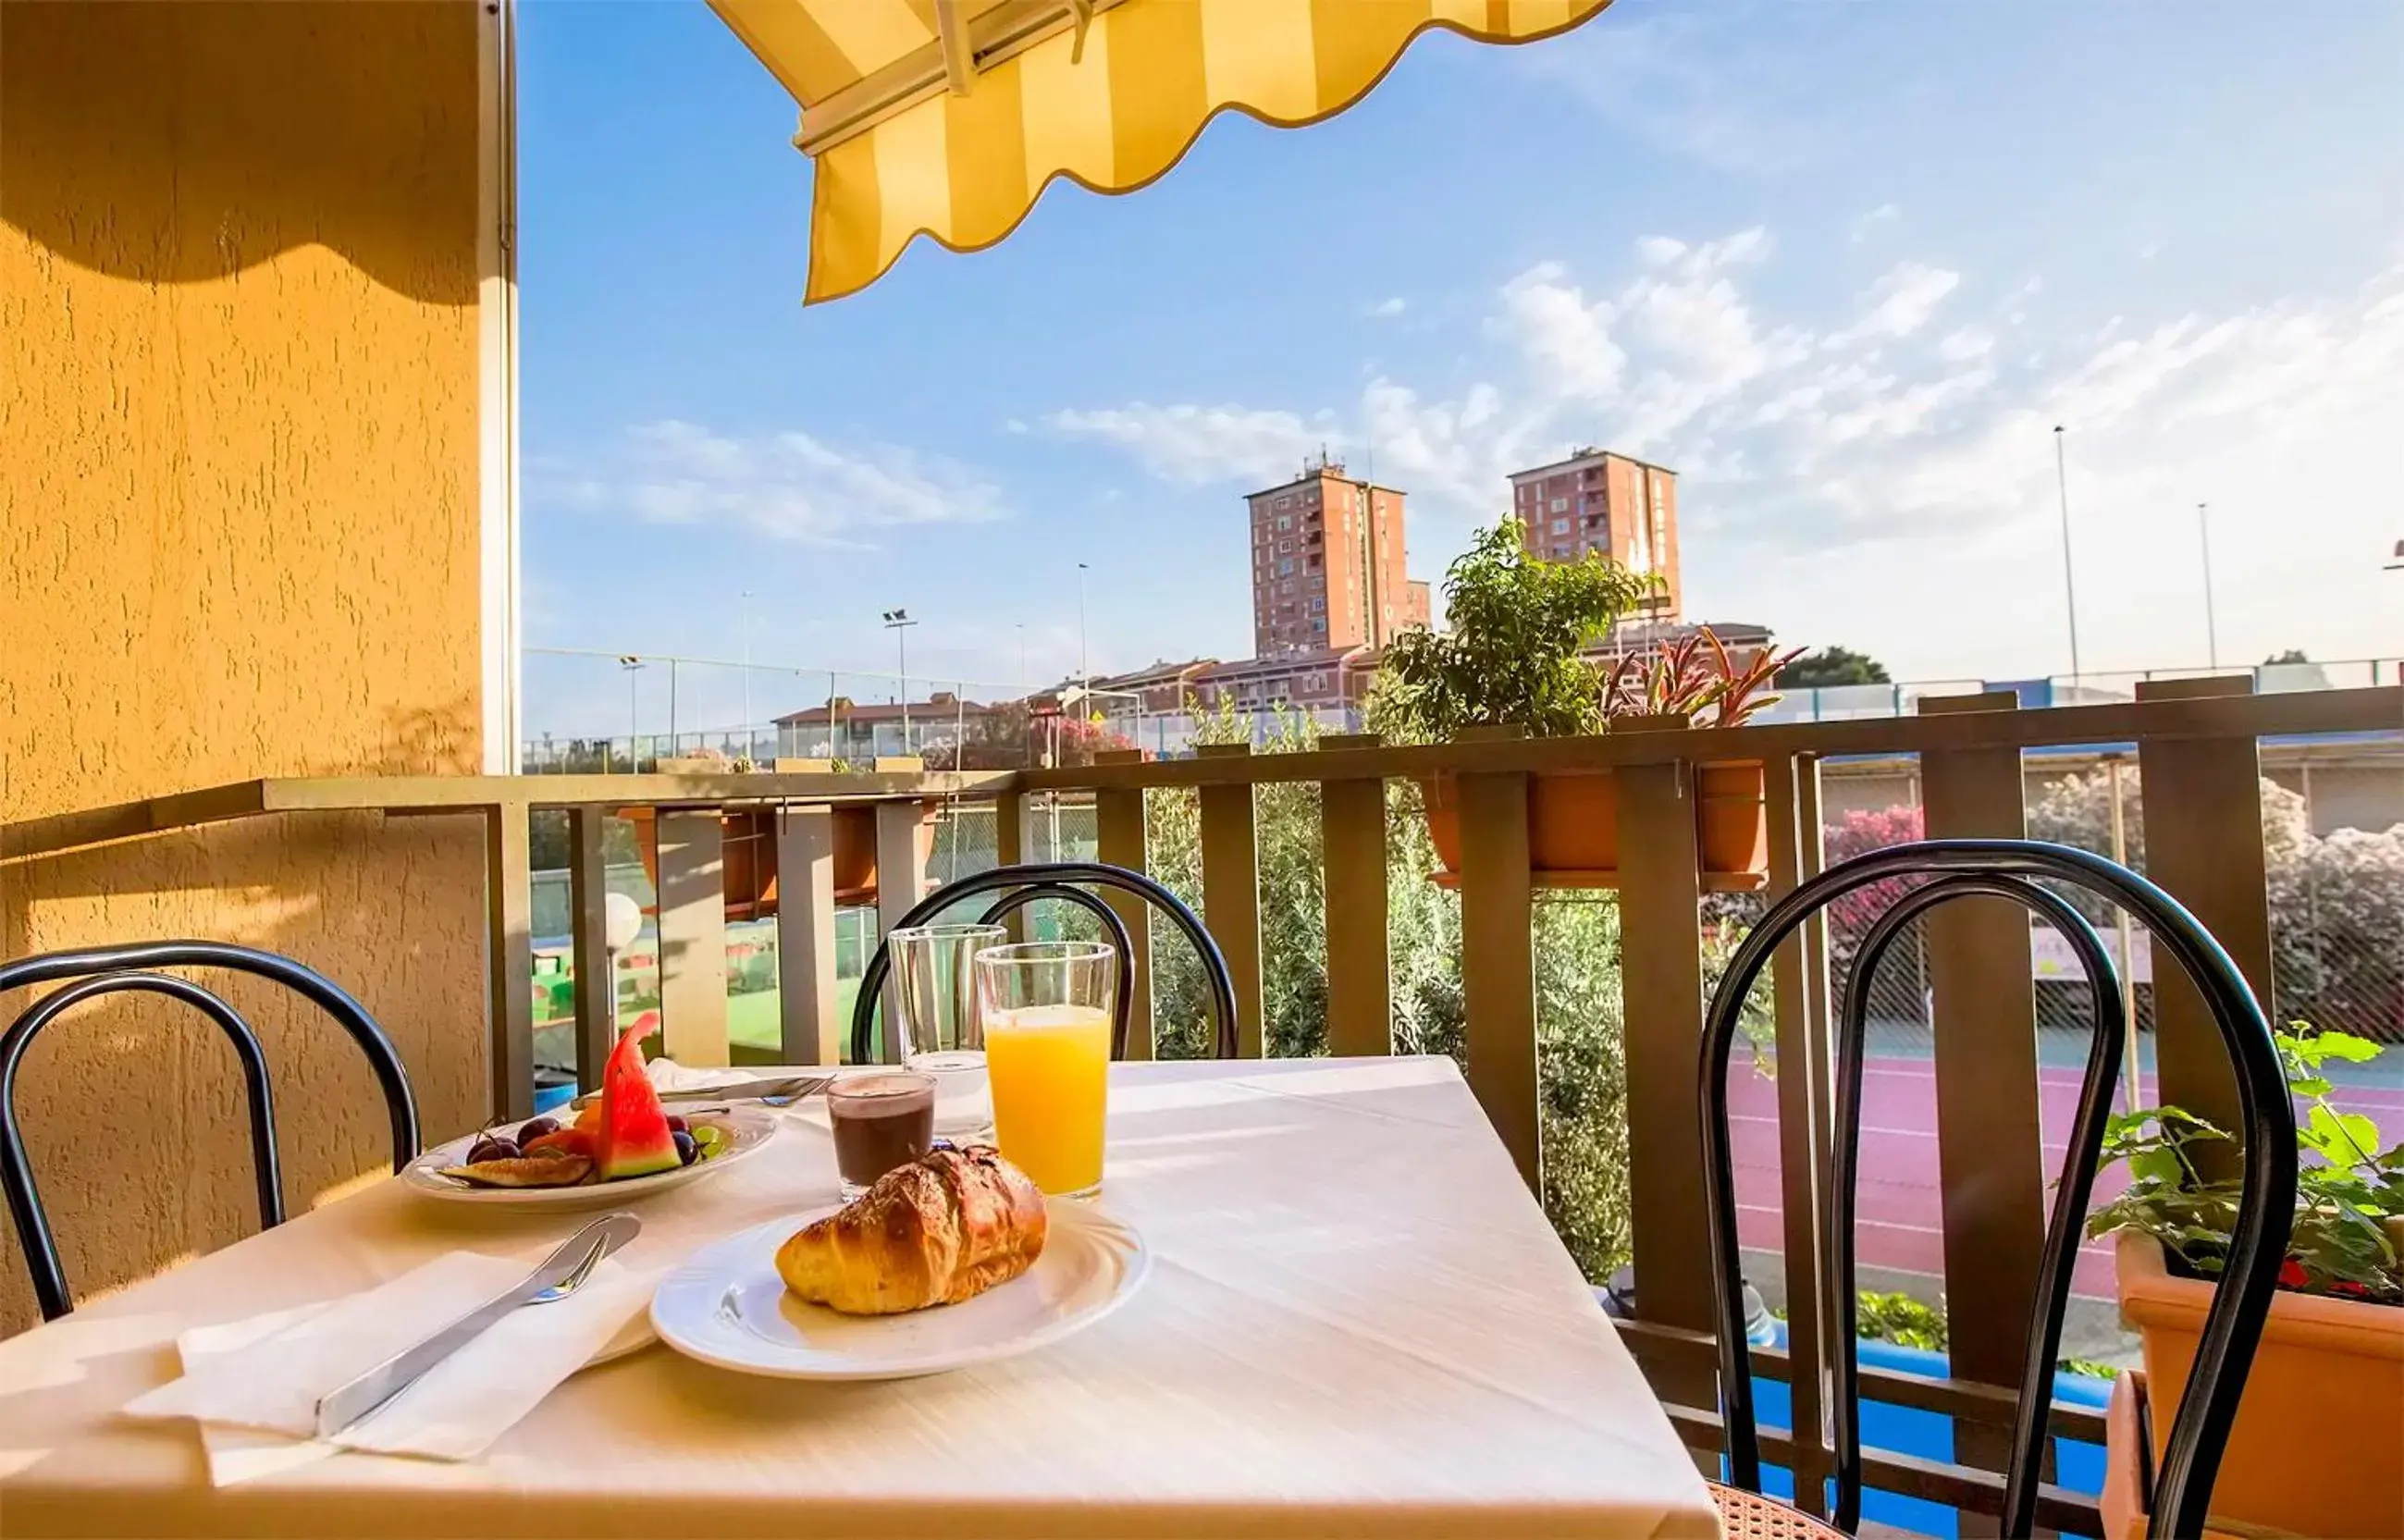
pixel 944 1228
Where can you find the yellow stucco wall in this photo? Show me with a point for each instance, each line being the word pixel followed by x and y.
pixel 238 537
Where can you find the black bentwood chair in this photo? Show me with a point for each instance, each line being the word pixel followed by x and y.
pixel 112 970
pixel 2010 869
pixel 1068 881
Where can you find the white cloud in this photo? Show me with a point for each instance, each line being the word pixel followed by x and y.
pixel 1899 490
pixel 1562 333
pixel 1899 303
pixel 1885 214
pixel 1392 304
pixel 1968 344
pixel 1197 444
pixel 787 486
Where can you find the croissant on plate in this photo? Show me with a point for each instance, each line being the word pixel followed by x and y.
pixel 944 1228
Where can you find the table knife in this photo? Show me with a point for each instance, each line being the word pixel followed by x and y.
pixel 561 1274
pixel 782 1087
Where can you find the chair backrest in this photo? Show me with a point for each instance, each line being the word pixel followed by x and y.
pixel 2010 869
pixel 1066 881
pixel 115 970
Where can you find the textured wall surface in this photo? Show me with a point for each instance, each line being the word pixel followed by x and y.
pixel 238 537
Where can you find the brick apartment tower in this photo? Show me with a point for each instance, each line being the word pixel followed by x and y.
pixel 1328 564
pixel 1596 501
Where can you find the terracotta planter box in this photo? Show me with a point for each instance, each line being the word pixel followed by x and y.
pixel 2122 1504
pixel 750 856
pixel 1574 827
pixel 2318 1446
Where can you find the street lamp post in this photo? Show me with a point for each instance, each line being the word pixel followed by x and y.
pixel 749 742
pixel 2211 624
pixel 1085 674
pixel 2069 591
pixel 899 623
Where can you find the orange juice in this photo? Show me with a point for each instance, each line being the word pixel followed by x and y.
pixel 1049 1070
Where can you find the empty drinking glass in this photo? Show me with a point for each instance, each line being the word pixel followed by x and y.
pixel 942 1032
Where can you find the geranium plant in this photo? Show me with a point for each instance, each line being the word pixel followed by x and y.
pixel 2348 1193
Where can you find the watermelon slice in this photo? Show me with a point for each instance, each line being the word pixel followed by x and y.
pixel 634 1138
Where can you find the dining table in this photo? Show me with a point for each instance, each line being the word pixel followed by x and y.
pixel 1356 1321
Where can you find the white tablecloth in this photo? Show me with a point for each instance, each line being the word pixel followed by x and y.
pixel 1357 1323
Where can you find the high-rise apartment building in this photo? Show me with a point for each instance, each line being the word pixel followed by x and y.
pixel 1598 501
pixel 1328 567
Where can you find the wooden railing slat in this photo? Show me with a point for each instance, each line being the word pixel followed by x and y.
pixel 1009 848
pixel 1656 1345
pixel 900 884
pixel 1990 1170
pixel 1231 894
pixel 509 918
pixel 809 1028
pixel 1498 970
pixel 1352 849
pixel 2202 807
pixel 692 936
pixel 588 922
pixel 1798 980
pixel 1661 972
pixel 1118 841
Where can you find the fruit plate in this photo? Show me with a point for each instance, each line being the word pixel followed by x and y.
pixel 727 1306
pixel 747 1129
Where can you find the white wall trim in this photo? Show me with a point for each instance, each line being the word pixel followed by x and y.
pixel 496 384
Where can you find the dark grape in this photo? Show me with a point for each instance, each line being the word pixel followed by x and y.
pixel 492 1148
pixel 676 1124
pixel 687 1150
pixel 535 1129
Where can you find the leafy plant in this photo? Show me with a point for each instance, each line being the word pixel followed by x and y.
pixel 1899 1319
pixel 1694 675
pixel 2349 1196
pixel 1512 657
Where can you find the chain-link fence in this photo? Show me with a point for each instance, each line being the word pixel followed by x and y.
pixel 2335 894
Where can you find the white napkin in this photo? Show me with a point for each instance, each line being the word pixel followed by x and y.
pixel 265 1374
pixel 668 1075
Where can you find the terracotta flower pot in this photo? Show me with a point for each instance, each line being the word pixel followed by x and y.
pixel 750 856
pixel 1574 827
pixel 2315 1448
pixel 2122 1504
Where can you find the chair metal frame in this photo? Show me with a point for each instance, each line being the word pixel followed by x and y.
pixel 1066 881
pixel 91 973
pixel 2010 869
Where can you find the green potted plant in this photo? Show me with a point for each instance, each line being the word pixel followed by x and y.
pixel 1515 658
pixel 2317 1444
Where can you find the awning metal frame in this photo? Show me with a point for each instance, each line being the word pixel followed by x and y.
pixel 971 37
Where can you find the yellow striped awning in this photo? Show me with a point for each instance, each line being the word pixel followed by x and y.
pixel 948 117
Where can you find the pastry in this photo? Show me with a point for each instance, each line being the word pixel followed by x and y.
pixel 944 1228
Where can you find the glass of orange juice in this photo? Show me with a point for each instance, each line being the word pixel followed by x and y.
pixel 1046 1006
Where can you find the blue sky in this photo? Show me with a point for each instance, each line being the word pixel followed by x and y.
pixel 1842 265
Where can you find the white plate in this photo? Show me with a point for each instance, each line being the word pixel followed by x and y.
pixel 728 1307
pixel 424 1176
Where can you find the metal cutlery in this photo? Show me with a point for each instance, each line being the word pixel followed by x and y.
pixel 561 1274
pixel 782 1091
